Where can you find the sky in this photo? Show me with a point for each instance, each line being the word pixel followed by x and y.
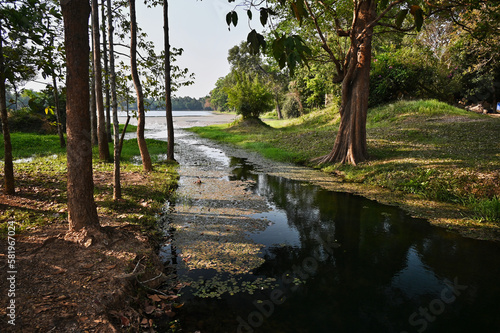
pixel 199 27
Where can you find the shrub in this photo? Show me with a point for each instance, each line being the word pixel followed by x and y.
pixel 26 121
pixel 291 108
pixel 249 97
pixel 409 74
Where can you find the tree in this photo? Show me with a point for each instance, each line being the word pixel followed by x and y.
pixel 101 122
pixel 249 97
pixel 168 85
pixel 8 164
pixel 21 29
pixel 243 60
pixel 51 66
pixel 355 21
pixel 475 48
pixel 117 189
pixel 82 211
pixel 141 117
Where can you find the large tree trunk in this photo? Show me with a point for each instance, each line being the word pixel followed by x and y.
pixel 141 117
pixel 101 121
pixel 81 206
pixel 8 188
pixel 168 85
pixel 350 144
pixel 117 189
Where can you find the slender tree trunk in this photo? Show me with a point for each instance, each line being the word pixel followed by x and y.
pixel 117 189
pixel 141 117
pixel 8 168
pixel 101 122
pixel 278 108
pixel 107 103
pixel 350 145
pixel 81 206
pixel 93 107
pixel 168 85
pixel 58 113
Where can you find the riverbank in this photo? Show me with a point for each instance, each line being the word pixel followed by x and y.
pixel 435 161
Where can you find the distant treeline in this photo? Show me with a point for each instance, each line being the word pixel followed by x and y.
pixel 38 101
pixel 180 104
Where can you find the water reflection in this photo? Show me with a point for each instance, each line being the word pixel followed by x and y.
pixel 347 264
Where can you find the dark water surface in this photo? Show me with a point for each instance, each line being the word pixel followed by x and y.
pixel 343 263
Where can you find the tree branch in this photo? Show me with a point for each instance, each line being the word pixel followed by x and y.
pixel 324 42
pixel 376 20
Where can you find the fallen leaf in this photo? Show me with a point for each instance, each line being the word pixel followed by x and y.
pixel 125 321
pixel 149 309
pixel 154 298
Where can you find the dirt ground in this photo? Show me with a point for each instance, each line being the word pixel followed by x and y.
pixel 59 285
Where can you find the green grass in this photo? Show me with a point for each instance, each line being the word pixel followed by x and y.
pixel 26 145
pixel 43 186
pixel 43 180
pixel 427 148
pixel 130 128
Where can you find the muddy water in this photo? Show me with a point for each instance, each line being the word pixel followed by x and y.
pixel 328 261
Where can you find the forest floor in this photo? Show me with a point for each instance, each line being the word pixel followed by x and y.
pixel 55 284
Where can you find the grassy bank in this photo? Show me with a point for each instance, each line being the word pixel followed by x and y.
pixel 41 185
pixel 25 145
pixel 426 149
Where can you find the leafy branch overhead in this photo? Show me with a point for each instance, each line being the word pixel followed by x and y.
pixel 290 51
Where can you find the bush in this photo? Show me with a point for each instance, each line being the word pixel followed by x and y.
pixel 291 108
pixel 249 97
pixel 26 121
pixel 409 73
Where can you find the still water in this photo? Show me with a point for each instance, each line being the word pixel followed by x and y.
pixel 343 263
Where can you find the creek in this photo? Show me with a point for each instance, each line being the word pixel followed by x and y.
pixel 341 263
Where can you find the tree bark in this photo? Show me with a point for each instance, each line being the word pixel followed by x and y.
pixel 9 187
pixel 101 122
pixel 106 73
pixel 141 117
pixel 350 144
pixel 117 188
pixel 168 85
pixel 93 107
pixel 81 206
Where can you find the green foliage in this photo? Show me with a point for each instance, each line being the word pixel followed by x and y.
pixel 409 73
pixel 218 96
pixel 25 120
pixel 249 97
pixel 291 107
